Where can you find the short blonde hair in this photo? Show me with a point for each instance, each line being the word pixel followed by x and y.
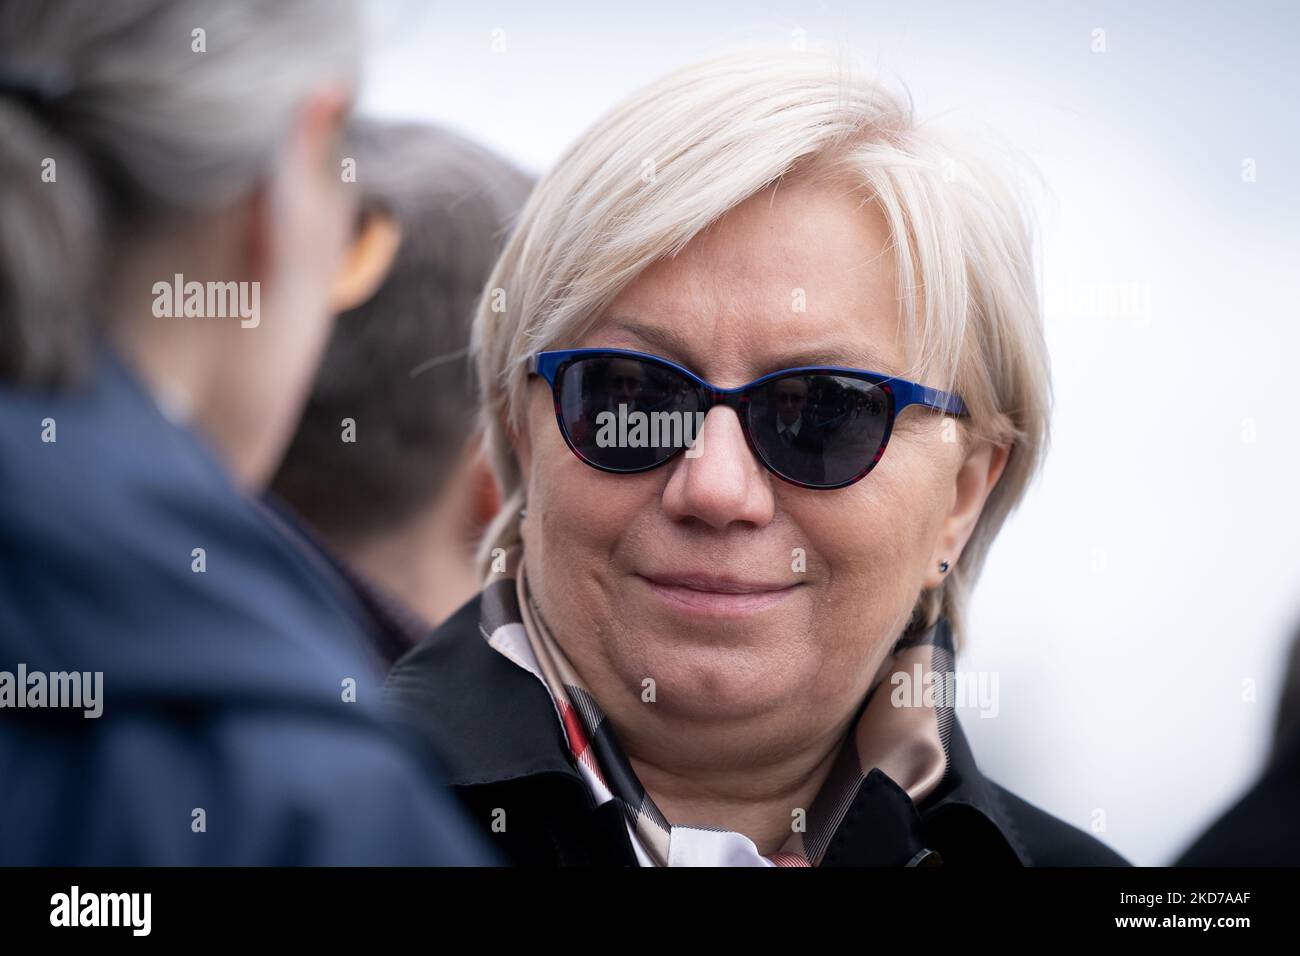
pixel 681 153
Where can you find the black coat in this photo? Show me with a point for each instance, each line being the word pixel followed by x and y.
pixel 503 749
pixel 1261 828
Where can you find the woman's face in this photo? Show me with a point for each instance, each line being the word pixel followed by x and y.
pixel 636 574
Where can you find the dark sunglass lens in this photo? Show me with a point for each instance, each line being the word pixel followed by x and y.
pixel 625 414
pixel 819 429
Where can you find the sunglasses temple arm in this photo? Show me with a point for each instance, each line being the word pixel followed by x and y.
pixel 915 394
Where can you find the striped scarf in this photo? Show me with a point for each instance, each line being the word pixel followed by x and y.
pixel 908 743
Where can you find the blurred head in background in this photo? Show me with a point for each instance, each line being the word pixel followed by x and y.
pixel 145 140
pixel 387 464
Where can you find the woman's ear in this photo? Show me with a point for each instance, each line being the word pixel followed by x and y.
pixel 519 441
pixel 974 482
pixel 482 495
pixel 487 496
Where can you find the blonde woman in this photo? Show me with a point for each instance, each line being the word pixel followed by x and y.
pixel 763 373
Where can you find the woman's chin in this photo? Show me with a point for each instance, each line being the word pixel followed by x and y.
pixel 714 680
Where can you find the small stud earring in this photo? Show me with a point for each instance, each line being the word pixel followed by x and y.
pixel 943 567
pixel 523 513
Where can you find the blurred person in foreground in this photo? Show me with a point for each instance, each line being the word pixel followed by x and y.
pixel 172 216
pixel 770 377
pixel 386 468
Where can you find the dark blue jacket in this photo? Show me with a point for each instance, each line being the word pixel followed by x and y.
pixel 223 690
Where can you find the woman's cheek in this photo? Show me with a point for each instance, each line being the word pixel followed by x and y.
pixel 872 553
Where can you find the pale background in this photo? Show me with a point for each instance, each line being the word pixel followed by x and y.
pixel 1152 571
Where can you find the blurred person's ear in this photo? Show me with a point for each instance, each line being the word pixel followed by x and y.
pixel 368 259
pixel 291 232
pixel 303 195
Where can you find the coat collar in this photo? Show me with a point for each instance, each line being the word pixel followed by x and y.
pixel 493 722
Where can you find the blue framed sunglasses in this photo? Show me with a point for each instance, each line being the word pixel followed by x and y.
pixel 814 426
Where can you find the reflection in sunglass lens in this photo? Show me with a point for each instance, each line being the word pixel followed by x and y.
pixel 624 414
pixel 819 429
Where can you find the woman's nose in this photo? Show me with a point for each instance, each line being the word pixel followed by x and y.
pixel 718 480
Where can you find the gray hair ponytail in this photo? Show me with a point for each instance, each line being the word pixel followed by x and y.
pixel 122 113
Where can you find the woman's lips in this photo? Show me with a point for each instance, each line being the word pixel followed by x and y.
pixel 715 596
